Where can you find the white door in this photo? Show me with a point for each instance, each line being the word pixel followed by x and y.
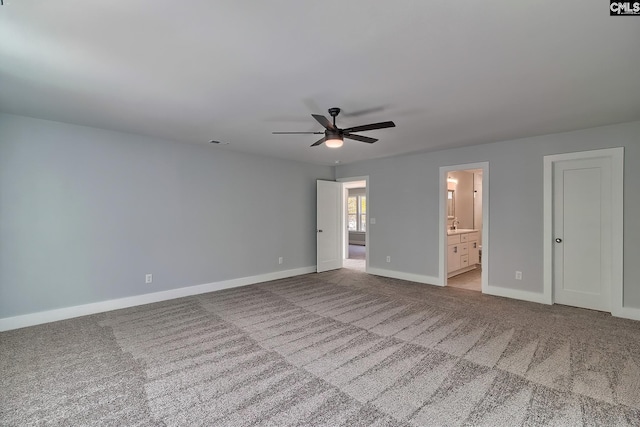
pixel 582 232
pixel 329 226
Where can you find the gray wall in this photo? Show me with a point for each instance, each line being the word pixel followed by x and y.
pixel 404 192
pixel 85 213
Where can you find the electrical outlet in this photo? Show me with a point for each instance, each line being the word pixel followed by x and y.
pixel 148 278
pixel 518 275
pixel 388 258
pixel 280 260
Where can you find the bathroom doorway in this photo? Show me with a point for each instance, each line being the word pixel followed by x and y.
pixel 355 224
pixel 462 252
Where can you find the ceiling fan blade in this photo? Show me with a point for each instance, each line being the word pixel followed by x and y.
pixel 297 133
pixel 320 141
pixel 360 138
pixel 372 126
pixel 323 121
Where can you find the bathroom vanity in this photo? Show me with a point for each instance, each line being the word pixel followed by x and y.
pixel 463 251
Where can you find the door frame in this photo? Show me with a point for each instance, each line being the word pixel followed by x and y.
pixel 444 171
pixel 617 220
pixel 345 234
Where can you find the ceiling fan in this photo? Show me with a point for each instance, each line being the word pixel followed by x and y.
pixel 334 136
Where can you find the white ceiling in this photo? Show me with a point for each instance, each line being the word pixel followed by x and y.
pixel 448 73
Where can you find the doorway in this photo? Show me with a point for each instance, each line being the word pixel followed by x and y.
pixel 464 224
pixel 583 228
pixel 355 223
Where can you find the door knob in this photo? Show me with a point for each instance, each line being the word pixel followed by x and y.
pixel 558 240
pixel 319 231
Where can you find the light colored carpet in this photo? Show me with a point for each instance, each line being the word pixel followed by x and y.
pixel 354 264
pixel 340 348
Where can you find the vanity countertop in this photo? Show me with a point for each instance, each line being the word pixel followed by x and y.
pixel 460 231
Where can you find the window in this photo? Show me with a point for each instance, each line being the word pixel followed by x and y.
pixel 357 213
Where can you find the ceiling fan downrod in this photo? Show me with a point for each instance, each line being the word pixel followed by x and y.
pixel 333 112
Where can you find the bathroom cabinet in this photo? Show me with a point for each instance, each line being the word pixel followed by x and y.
pixel 463 251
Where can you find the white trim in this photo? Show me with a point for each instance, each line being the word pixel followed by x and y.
pixel 628 313
pixel 442 235
pixel 16 322
pixel 419 278
pixel 547 230
pixel 617 233
pixel 516 294
pixel 364 178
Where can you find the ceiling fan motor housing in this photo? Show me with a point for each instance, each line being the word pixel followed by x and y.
pixel 334 111
pixel 331 134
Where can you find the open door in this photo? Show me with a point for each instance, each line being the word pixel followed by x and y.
pixel 329 226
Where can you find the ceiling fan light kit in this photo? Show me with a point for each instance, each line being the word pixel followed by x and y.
pixel 334 136
pixel 333 140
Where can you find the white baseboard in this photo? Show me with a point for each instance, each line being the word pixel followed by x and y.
pixel 627 313
pixel 624 312
pixel 517 294
pixel 16 322
pixel 419 278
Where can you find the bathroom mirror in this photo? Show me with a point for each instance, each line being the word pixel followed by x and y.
pixel 451 208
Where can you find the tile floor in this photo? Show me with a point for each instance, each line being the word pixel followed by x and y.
pixel 471 280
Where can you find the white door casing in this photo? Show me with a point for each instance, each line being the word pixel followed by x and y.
pixel 328 226
pixel 583 229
